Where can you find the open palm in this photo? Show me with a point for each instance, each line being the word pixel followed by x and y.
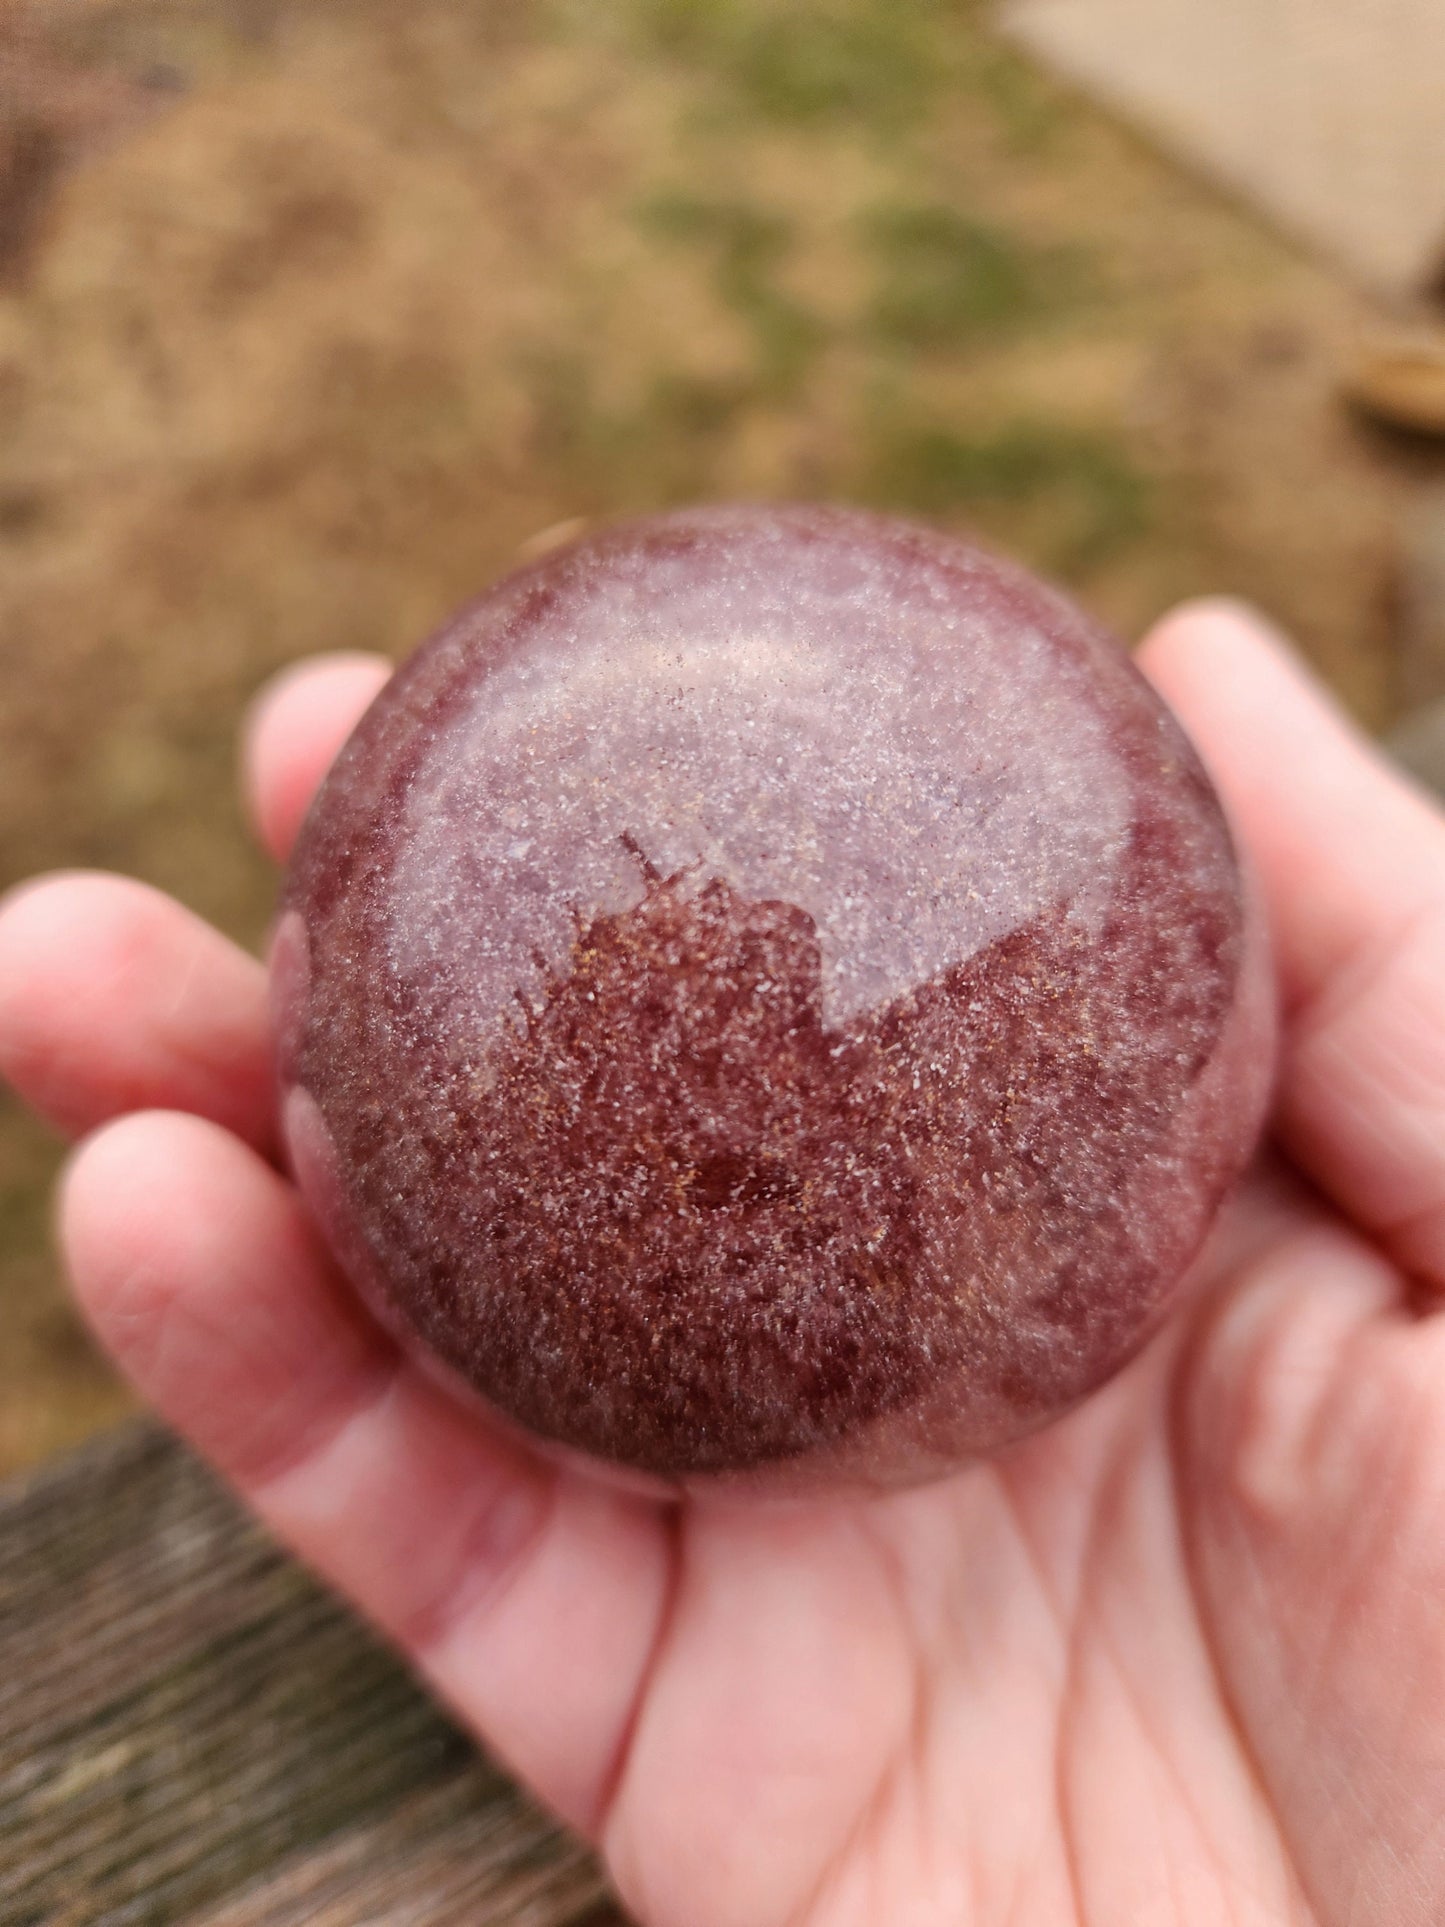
pixel 1181 1658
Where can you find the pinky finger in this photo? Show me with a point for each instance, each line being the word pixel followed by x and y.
pixel 529 1599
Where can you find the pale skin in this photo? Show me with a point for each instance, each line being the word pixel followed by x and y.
pixel 1179 1659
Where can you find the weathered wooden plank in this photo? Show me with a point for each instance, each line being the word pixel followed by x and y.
pixel 193 1731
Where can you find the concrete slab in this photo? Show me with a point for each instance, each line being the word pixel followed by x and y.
pixel 1330 114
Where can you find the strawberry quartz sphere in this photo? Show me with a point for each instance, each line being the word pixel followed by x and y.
pixel 767 995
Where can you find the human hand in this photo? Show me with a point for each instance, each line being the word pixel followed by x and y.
pixel 1180 1658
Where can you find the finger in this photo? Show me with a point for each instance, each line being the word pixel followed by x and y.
pixel 1344 845
pixel 113 998
pixel 296 726
pixel 528 1597
pixel 1352 862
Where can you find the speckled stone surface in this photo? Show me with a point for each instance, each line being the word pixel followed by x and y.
pixel 767 991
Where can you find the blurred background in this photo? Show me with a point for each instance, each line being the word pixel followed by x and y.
pixel 315 314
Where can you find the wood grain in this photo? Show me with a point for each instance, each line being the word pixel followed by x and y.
pixel 192 1730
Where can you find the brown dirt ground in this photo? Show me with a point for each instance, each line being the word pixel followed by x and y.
pixel 312 312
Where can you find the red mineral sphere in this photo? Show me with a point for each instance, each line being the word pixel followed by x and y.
pixel 767 991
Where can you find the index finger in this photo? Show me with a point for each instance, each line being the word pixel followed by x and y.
pixel 297 724
pixel 1351 860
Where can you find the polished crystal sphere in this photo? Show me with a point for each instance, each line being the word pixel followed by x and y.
pixel 767 994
